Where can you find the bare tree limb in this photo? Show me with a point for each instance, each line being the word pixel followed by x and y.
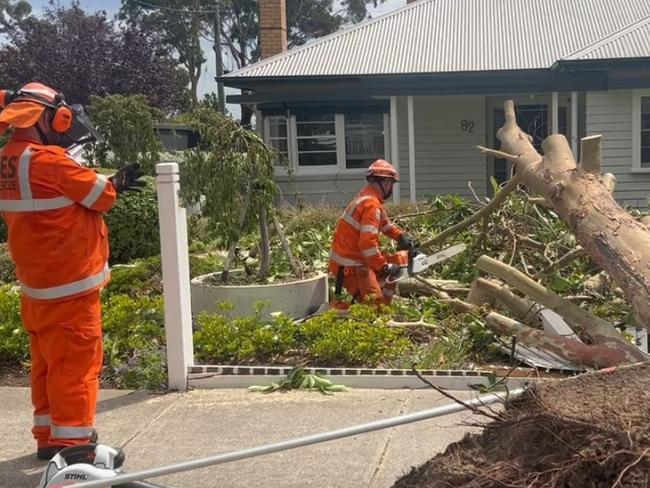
pixel 600 331
pixel 563 261
pixel 496 201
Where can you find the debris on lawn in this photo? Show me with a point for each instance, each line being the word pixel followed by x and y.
pixel 591 430
pixel 299 379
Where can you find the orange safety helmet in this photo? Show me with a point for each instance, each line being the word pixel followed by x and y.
pixel 383 169
pixel 24 107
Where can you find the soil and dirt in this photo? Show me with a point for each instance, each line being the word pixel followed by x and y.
pixel 12 373
pixel 589 431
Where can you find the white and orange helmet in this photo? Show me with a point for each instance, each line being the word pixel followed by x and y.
pixel 383 169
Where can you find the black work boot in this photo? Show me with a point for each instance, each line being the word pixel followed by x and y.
pixel 47 453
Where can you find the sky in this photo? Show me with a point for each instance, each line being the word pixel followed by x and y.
pixel 207 83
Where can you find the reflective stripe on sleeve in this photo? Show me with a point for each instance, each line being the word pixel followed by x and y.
pixel 42 420
pixel 95 192
pixel 370 252
pixel 344 261
pixel 68 289
pixel 35 205
pixel 369 228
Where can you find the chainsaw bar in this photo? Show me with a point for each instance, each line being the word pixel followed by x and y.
pixel 445 254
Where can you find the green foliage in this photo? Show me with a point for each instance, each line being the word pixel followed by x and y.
pixel 126 124
pixel 229 163
pixel 299 379
pixel 7 267
pixel 133 225
pixel 221 339
pixel 355 340
pixel 134 342
pixel 14 340
pixel 142 277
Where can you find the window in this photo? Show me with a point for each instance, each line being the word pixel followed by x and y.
pixel 641 131
pixel 276 135
pixel 322 143
pixel 645 132
pixel 364 139
pixel 316 139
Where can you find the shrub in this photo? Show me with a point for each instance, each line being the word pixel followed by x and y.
pixel 142 277
pixel 7 267
pixel 221 339
pixel 126 124
pixel 14 340
pixel 325 340
pixel 357 340
pixel 133 225
pixel 134 342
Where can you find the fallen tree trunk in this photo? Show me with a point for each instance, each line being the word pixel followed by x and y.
pixel 597 329
pixel 612 237
pixel 576 352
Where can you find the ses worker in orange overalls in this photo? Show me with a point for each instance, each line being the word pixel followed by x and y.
pixel 58 240
pixel 356 263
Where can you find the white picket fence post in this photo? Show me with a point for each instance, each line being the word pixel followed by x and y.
pixel 176 276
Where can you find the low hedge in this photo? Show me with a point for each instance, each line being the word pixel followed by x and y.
pixel 133 225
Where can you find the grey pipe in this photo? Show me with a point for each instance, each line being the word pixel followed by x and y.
pixel 300 441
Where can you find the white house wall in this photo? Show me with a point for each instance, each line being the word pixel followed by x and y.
pixel 445 155
pixel 610 113
pixel 446 158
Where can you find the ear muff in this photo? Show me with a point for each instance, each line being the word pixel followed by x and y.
pixel 62 118
pixel 6 97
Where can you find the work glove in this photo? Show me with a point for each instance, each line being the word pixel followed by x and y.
pixel 391 270
pixel 405 242
pixel 128 178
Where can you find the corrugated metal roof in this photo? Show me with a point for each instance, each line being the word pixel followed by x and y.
pixel 631 42
pixel 433 36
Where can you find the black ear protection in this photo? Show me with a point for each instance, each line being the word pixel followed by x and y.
pixel 62 114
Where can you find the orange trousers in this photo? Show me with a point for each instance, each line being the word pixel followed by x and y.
pixel 363 284
pixel 66 351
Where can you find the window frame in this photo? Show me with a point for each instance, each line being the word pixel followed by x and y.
pixel 340 167
pixel 637 96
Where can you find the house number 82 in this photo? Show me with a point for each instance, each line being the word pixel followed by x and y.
pixel 467 125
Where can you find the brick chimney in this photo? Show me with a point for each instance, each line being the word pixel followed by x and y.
pixel 273 27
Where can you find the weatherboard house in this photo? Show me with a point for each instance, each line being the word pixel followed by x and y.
pixel 424 84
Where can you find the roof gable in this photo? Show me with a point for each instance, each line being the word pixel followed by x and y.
pixel 438 36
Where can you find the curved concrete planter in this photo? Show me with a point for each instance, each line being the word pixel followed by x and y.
pixel 294 298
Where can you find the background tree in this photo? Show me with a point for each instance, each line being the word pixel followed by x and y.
pixel 12 12
pixel 126 126
pixel 179 23
pixel 86 54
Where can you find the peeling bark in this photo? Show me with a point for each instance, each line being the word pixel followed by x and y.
pixel 618 243
pixel 598 356
pixel 599 330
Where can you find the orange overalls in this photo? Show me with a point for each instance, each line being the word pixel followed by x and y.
pixel 59 243
pixel 355 258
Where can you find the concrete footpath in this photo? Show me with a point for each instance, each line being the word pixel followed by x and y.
pixel 156 430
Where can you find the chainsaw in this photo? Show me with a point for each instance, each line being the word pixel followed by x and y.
pixel 413 262
pixel 87 462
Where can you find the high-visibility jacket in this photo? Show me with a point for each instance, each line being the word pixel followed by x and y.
pixel 51 205
pixel 356 237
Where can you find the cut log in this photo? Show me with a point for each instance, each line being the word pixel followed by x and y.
pixel 523 308
pixel 599 330
pixel 591 153
pixel 612 237
pixel 598 356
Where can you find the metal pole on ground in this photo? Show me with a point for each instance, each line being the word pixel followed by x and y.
pixel 176 276
pixel 302 441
